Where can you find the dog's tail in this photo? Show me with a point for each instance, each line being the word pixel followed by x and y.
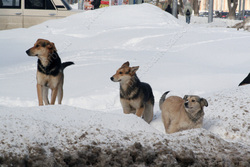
pixel 66 64
pixel 245 81
pixel 163 97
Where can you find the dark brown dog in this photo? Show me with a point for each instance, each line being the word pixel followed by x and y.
pixel 49 71
pixel 136 97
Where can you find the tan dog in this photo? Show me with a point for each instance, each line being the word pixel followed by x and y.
pixel 136 97
pixel 49 71
pixel 182 113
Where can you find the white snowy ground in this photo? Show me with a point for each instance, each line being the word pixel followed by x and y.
pixel 208 60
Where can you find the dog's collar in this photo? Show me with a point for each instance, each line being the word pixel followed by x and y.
pixel 195 117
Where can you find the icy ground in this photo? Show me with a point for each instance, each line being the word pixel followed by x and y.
pixel 90 128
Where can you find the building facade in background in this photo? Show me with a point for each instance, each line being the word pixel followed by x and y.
pixel 221 5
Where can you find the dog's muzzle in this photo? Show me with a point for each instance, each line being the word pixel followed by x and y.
pixel 28 52
pixel 114 80
pixel 186 104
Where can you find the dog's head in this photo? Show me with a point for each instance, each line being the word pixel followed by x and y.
pixel 124 73
pixel 42 48
pixel 194 103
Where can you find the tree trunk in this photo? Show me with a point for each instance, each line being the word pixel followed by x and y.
pixel 181 7
pixel 196 8
pixel 232 8
pixel 157 2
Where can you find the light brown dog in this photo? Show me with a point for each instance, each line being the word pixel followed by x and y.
pixel 182 113
pixel 49 71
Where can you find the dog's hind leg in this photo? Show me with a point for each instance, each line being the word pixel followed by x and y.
pixel 139 111
pixel 45 95
pixel 165 120
pixel 173 127
pixel 148 113
pixel 53 95
pixel 60 92
pixel 60 95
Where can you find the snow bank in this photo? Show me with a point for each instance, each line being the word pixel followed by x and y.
pixel 55 133
pixel 228 114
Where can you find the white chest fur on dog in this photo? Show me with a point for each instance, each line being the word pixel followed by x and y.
pixel 49 80
pixel 129 106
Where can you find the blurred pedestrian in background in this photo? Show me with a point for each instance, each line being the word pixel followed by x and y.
pixel 188 12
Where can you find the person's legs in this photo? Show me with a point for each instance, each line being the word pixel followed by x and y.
pixel 188 19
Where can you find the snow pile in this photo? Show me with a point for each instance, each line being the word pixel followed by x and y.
pixel 52 134
pixel 228 114
pixel 90 127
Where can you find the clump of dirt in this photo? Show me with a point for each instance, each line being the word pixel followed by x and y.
pixel 116 155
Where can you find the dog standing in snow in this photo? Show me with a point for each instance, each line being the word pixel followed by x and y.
pixel 182 113
pixel 49 71
pixel 136 97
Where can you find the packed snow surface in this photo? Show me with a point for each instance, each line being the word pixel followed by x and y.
pixel 208 60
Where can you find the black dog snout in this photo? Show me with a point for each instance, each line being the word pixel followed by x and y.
pixel 28 52
pixel 186 104
pixel 112 78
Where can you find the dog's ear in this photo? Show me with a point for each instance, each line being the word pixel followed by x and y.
pixel 42 42
pixel 204 102
pixel 126 64
pixel 52 46
pixel 134 69
pixel 185 97
pixel 38 40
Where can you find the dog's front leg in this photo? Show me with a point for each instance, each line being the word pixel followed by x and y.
pixel 125 106
pixel 53 95
pixel 140 111
pixel 126 109
pixel 39 94
pixel 45 95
